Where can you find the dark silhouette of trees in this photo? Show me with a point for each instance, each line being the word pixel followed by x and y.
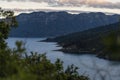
pixel 15 64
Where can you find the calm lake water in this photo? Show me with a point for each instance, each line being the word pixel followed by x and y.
pixel 89 65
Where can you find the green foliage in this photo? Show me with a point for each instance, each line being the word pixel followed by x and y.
pixel 8 20
pixel 34 67
pixel 15 64
pixel 112 45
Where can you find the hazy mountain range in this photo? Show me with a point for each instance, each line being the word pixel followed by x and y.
pixel 49 24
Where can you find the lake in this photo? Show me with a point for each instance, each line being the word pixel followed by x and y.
pixel 89 65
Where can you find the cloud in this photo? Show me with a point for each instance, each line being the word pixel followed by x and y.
pixel 91 3
pixel 74 6
pixel 77 3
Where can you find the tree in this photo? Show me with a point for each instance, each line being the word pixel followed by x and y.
pixel 6 23
pixel 112 46
pixel 15 64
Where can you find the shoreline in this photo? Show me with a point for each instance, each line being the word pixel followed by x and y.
pixel 98 54
pixel 69 50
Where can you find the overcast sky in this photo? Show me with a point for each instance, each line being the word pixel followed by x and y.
pixel 109 6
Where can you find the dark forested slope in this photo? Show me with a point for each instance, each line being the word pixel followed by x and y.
pixel 85 41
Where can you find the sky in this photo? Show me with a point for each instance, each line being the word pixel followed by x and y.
pixel 73 6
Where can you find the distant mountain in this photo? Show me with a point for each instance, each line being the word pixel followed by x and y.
pixel 43 24
pixel 85 41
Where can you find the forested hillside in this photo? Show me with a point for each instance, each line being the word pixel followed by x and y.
pixel 89 41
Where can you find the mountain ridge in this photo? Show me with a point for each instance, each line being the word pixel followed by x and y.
pixel 51 24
